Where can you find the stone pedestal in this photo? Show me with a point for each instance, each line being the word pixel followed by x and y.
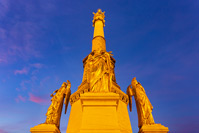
pixel 99 113
pixel 154 128
pixel 44 128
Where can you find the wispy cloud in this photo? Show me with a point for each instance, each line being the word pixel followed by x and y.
pixel 4 7
pixel 3 131
pixel 3 59
pixel 37 99
pixel 19 36
pixel 20 98
pixel 17 89
pixel 24 84
pixel 25 70
pixel 31 70
pixel 2 33
pixel 22 71
pixel 44 81
pixel 18 42
pixel 37 65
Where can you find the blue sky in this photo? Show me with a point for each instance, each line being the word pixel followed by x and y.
pixel 43 43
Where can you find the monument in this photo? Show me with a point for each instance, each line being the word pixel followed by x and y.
pixel 99 105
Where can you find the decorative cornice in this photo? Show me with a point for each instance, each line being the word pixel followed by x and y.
pixel 84 88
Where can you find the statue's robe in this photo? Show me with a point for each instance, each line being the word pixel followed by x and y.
pixel 99 72
pixel 54 111
pixel 144 107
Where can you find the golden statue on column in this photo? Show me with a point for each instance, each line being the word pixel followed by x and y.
pixel 144 108
pixel 54 111
pixel 99 105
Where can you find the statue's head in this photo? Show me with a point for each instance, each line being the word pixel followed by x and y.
pixel 134 82
pixel 64 84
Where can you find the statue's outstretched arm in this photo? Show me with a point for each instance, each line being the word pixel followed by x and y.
pixel 54 92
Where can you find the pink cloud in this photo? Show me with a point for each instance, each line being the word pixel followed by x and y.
pixel 17 89
pixel 3 131
pixel 20 98
pixel 37 65
pixel 37 99
pixel 22 71
pixel 3 58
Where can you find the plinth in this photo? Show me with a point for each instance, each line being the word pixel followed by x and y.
pixel 154 128
pixel 44 128
pixel 99 113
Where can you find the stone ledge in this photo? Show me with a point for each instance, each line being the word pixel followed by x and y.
pixel 44 128
pixel 99 99
pixel 154 128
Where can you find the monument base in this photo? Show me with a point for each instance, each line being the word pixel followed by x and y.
pixel 44 128
pixel 154 128
pixel 99 113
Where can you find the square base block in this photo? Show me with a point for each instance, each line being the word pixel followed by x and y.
pixel 99 113
pixel 44 128
pixel 154 128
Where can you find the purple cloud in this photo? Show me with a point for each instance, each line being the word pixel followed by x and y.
pixel 22 71
pixel 18 42
pixel 37 65
pixel 3 131
pixel 2 33
pixel 17 89
pixel 4 7
pixel 3 59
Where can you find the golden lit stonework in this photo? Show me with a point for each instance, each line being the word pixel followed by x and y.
pixel 144 106
pixel 99 105
pixel 53 115
pixel 99 16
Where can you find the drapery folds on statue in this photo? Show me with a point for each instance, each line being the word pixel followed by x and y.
pixel 144 106
pixel 99 71
pixel 54 111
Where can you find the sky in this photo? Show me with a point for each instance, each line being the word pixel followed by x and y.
pixel 43 43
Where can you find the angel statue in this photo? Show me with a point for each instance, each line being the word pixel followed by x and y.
pixel 54 111
pixel 144 106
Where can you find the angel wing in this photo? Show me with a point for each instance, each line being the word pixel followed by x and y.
pixel 130 94
pixel 67 95
pixel 67 98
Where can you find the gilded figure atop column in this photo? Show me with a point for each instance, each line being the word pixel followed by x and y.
pixel 99 15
